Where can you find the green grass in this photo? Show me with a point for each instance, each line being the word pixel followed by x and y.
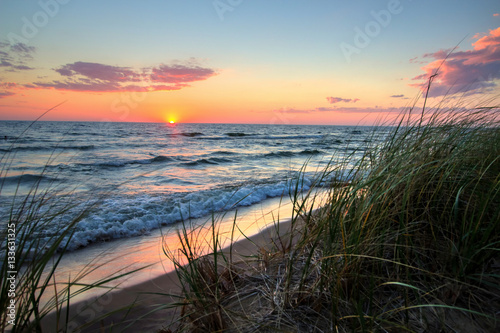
pixel 410 243
pixel 407 241
pixel 37 254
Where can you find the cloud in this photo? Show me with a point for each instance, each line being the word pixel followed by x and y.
pixel 375 109
pixel 343 110
pixel 415 60
pixel 180 74
pixel 95 71
pixel 496 14
pixel 398 96
pixel 6 85
pixel 333 100
pixel 81 85
pixel 471 71
pixel 95 77
pixel 293 110
pixel 13 57
pixel 6 94
pixel 23 50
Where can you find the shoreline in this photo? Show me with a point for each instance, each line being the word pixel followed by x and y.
pixel 147 296
pixel 108 258
pixel 257 226
pixel 146 252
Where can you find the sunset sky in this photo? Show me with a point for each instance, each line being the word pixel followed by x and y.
pixel 241 61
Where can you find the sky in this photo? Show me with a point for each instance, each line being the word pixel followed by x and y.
pixel 243 61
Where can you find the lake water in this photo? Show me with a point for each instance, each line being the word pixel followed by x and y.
pixel 145 175
pixel 140 177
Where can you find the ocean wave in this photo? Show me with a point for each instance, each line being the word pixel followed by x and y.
pixel 290 137
pixel 311 152
pixel 122 163
pixel 48 148
pixel 307 152
pixel 212 160
pixel 187 134
pixel 280 154
pixel 238 134
pixel 224 152
pixel 84 147
pixel 129 217
pixel 25 178
pixel 257 137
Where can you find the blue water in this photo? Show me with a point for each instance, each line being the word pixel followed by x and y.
pixel 145 175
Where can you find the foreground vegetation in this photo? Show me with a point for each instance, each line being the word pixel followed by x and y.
pixel 30 254
pixel 408 241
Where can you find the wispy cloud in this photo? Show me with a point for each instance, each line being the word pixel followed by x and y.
pixel 6 85
pixel 6 94
pixel 14 57
pixel 471 71
pixel 333 100
pixel 416 60
pixel 180 74
pixel 399 96
pixel 343 110
pixel 96 77
pixel 95 71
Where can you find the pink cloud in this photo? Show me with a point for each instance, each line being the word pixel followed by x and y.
pixel 496 14
pixel 95 77
pixel 97 71
pixel 365 110
pixel 471 71
pixel 13 57
pixel 333 100
pixel 80 85
pixel 180 74
pixel 7 85
pixel 6 94
pixel 343 110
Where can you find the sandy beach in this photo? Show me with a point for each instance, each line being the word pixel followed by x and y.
pixel 147 306
pixel 249 166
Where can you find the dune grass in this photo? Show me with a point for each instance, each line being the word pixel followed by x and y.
pixel 407 241
pixel 30 254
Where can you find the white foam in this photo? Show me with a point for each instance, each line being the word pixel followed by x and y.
pixel 128 217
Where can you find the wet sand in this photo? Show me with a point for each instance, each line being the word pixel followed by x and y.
pixel 146 306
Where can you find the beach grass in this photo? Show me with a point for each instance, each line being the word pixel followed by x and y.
pixel 30 287
pixel 408 241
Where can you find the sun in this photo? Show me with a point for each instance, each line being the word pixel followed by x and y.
pixel 170 118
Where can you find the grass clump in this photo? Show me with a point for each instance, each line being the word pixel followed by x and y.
pixel 36 229
pixel 410 243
